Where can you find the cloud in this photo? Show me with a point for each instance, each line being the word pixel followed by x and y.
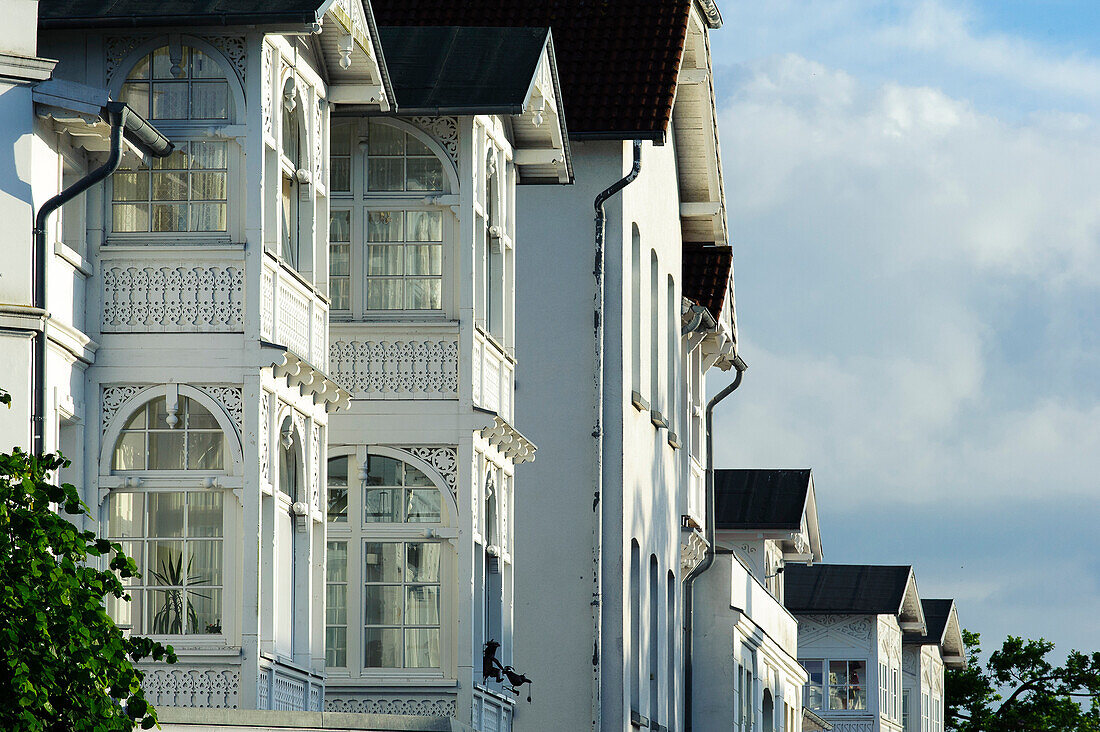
pixel 885 234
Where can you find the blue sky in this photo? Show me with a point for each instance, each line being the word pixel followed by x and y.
pixel 914 201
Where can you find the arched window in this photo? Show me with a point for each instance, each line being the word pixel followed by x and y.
pixel 386 234
pixel 386 570
pixel 289 460
pixel 184 88
pixel 175 535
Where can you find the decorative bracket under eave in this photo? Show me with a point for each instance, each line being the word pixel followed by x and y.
pixel 310 381
pixel 509 441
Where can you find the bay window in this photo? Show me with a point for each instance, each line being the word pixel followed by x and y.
pixel 388 232
pixel 836 685
pixel 386 583
pixel 174 531
pixel 184 90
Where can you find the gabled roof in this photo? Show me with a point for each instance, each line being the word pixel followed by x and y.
pixel 854 589
pixel 119 13
pixel 706 275
pixel 760 499
pixel 619 60
pixel 943 631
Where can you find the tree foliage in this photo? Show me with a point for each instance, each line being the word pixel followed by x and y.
pixel 1019 689
pixel 64 664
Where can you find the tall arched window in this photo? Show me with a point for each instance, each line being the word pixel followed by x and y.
pixel 655 345
pixel 672 329
pixel 386 570
pixel 635 655
pixel 184 89
pixel 635 309
pixel 387 245
pixel 290 162
pixel 174 534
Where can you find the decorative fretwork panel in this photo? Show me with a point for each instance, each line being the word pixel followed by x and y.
pixel 443 459
pixel 172 297
pixel 426 706
pixel 397 369
pixel 196 686
pixel 445 132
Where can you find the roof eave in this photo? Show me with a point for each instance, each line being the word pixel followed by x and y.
pixel 295 21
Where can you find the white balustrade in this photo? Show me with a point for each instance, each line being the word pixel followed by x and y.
pixel 292 315
pixel 396 360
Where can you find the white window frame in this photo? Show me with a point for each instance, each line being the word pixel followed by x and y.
pixel 180 132
pixel 825 685
pixel 357 533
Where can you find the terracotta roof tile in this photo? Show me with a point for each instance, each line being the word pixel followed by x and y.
pixel 706 275
pixel 618 59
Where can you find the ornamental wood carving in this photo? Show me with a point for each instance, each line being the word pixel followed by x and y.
pixel 211 687
pixel 425 369
pixel 173 298
pixel 427 706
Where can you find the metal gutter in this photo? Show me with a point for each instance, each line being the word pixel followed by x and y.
pixel 124 122
pixel 653 136
pixel 708 560
pixel 599 506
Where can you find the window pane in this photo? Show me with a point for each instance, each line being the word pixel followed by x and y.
pixel 166 451
pixel 383 470
pixel 857 697
pixel 204 610
pixel 131 186
pixel 168 613
pixel 340 174
pixel 130 452
pixel 339 294
pixel 137 421
pixel 385 139
pixel 198 416
pixel 385 174
pixel 416 147
pixel 813 668
pixel 415 477
pixel 382 604
pixel 340 140
pixel 385 294
pixel 169 100
pixel 166 563
pixel 422 506
pixel 209 100
pixel 382 562
pixel 339 226
pixel 423 561
pixel 169 217
pixel 424 174
pixel 162 64
pixel 384 226
pixel 208 217
pixel 140 70
pixel 382 648
pixel 382 505
pixel 204 563
pixel 204 67
pixel 838 673
pixel 422 605
pixel 126 614
pixel 336 560
pixel 425 226
pixel 126 515
pixel 170 186
pixel 336 604
pixel 422 648
pixel 424 259
pixel 165 514
pixel 838 697
pixel 130 217
pixel 384 259
pixel 208 155
pixel 336 647
pixel 208 186
pixel 158 414
pixel 339 259
pixel 423 294
pixel 176 160
pixel 204 514
pixel 813 697
pixel 137 96
pixel 338 491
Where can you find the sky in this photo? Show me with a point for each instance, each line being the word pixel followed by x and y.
pixel 914 203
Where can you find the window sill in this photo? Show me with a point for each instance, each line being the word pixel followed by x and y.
pixel 674 440
pixel 638 721
pixel 70 255
pixel 658 419
pixel 639 402
pixel 140 242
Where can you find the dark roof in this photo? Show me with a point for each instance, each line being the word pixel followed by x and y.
pixel 439 70
pixel 760 499
pixel 936 615
pixel 618 60
pixel 706 275
pixel 845 588
pixel 119 13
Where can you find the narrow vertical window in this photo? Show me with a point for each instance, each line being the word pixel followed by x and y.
pixel 339 259
pixel 654 639
pixel 671 633
pixel 655 347
pixel 672 327
pixel 635 653
pixel 636 310
pixel 336 604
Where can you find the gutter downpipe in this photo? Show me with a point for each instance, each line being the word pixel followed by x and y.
pixel 708 559
pixel 122 119
pixel 598 505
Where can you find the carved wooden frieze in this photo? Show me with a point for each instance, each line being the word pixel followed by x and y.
pixel 406 368
pixel 172 298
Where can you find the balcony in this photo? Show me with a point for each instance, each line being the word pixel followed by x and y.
pixel 291 314
pixel 493 375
